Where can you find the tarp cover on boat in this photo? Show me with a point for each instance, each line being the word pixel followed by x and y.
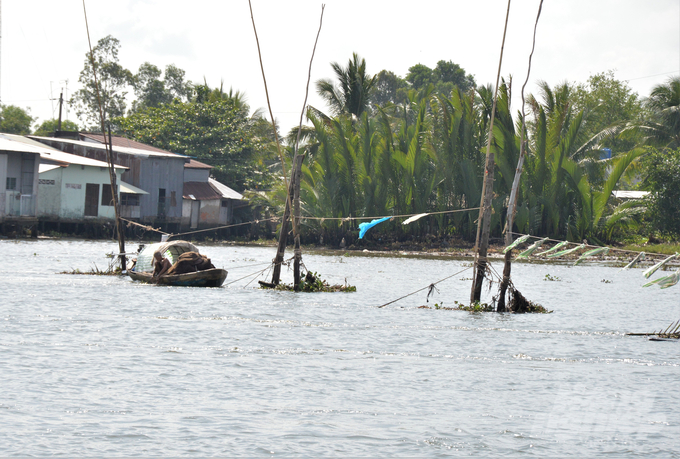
pixel 171 250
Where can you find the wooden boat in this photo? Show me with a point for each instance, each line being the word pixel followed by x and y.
pixel 143 267
pixel 208 278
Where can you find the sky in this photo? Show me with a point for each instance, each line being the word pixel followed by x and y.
pixel 43 43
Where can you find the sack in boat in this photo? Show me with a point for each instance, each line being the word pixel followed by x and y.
pixel 190 262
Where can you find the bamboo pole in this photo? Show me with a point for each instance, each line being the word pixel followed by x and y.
pixel 296 222
pixel 283 234
pixel 512 202
pixel 297 163
pixel 484 220
pixel 109 153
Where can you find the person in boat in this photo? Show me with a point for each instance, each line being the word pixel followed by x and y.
pixel 190 262
pixel 160 265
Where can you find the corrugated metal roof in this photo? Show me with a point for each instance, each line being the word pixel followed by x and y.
pixel 13 142
pixel 225 190
pixel 116 148
pixel 68 158
pixel 199 191
pixel 118 141
pixel 193 164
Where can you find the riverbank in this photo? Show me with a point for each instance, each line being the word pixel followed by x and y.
pixel 428 248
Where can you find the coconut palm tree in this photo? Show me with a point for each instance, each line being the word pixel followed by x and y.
pixel 662 129
pixel 352 95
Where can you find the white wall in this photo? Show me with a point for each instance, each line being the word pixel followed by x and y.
pixel 70 185
pixel 49 196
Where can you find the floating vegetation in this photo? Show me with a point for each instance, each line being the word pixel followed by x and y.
pixel 548 277
pixel 95 271
pixel 313 283
pixel 520 305
pixel 474 307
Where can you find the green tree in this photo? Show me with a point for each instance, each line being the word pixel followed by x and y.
pixel 611 105
pixel 152 91
pixel 113 81
pixel 176 83
pixel 218 132
pixel 149 88
pixel 444 77
pixel 15 120
pixel 48 127
pixel 448 74
pixel 662 180
pixel 389 88
pixel 354 91
pixel 662 128
pixel 561 197
pixel 611 101
pixel 420 76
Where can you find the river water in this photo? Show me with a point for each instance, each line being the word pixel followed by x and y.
pixel 103 366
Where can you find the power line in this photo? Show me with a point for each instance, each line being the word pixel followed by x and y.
pixel 648 76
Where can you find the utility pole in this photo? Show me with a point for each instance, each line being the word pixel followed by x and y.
pixel 61 104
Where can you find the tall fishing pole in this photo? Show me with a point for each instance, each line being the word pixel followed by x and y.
pixel 484 220
pixel 109 153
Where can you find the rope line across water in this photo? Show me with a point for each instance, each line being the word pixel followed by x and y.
pixel 430 286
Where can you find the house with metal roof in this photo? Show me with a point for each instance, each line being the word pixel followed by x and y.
pixel 206 202
pixel 18 181
pixel 157 172
pixel 77 189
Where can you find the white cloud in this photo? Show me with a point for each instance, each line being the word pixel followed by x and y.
pixel 44 42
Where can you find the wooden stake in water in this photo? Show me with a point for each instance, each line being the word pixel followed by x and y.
pixel 484 221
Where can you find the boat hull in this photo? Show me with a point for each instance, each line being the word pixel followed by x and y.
pixel 209 278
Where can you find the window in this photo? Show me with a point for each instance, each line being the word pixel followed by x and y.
pixel 129 199
pixel 161 203
pixel 11 183
pixel 225 203
pixel 107 196
pixel 173 199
